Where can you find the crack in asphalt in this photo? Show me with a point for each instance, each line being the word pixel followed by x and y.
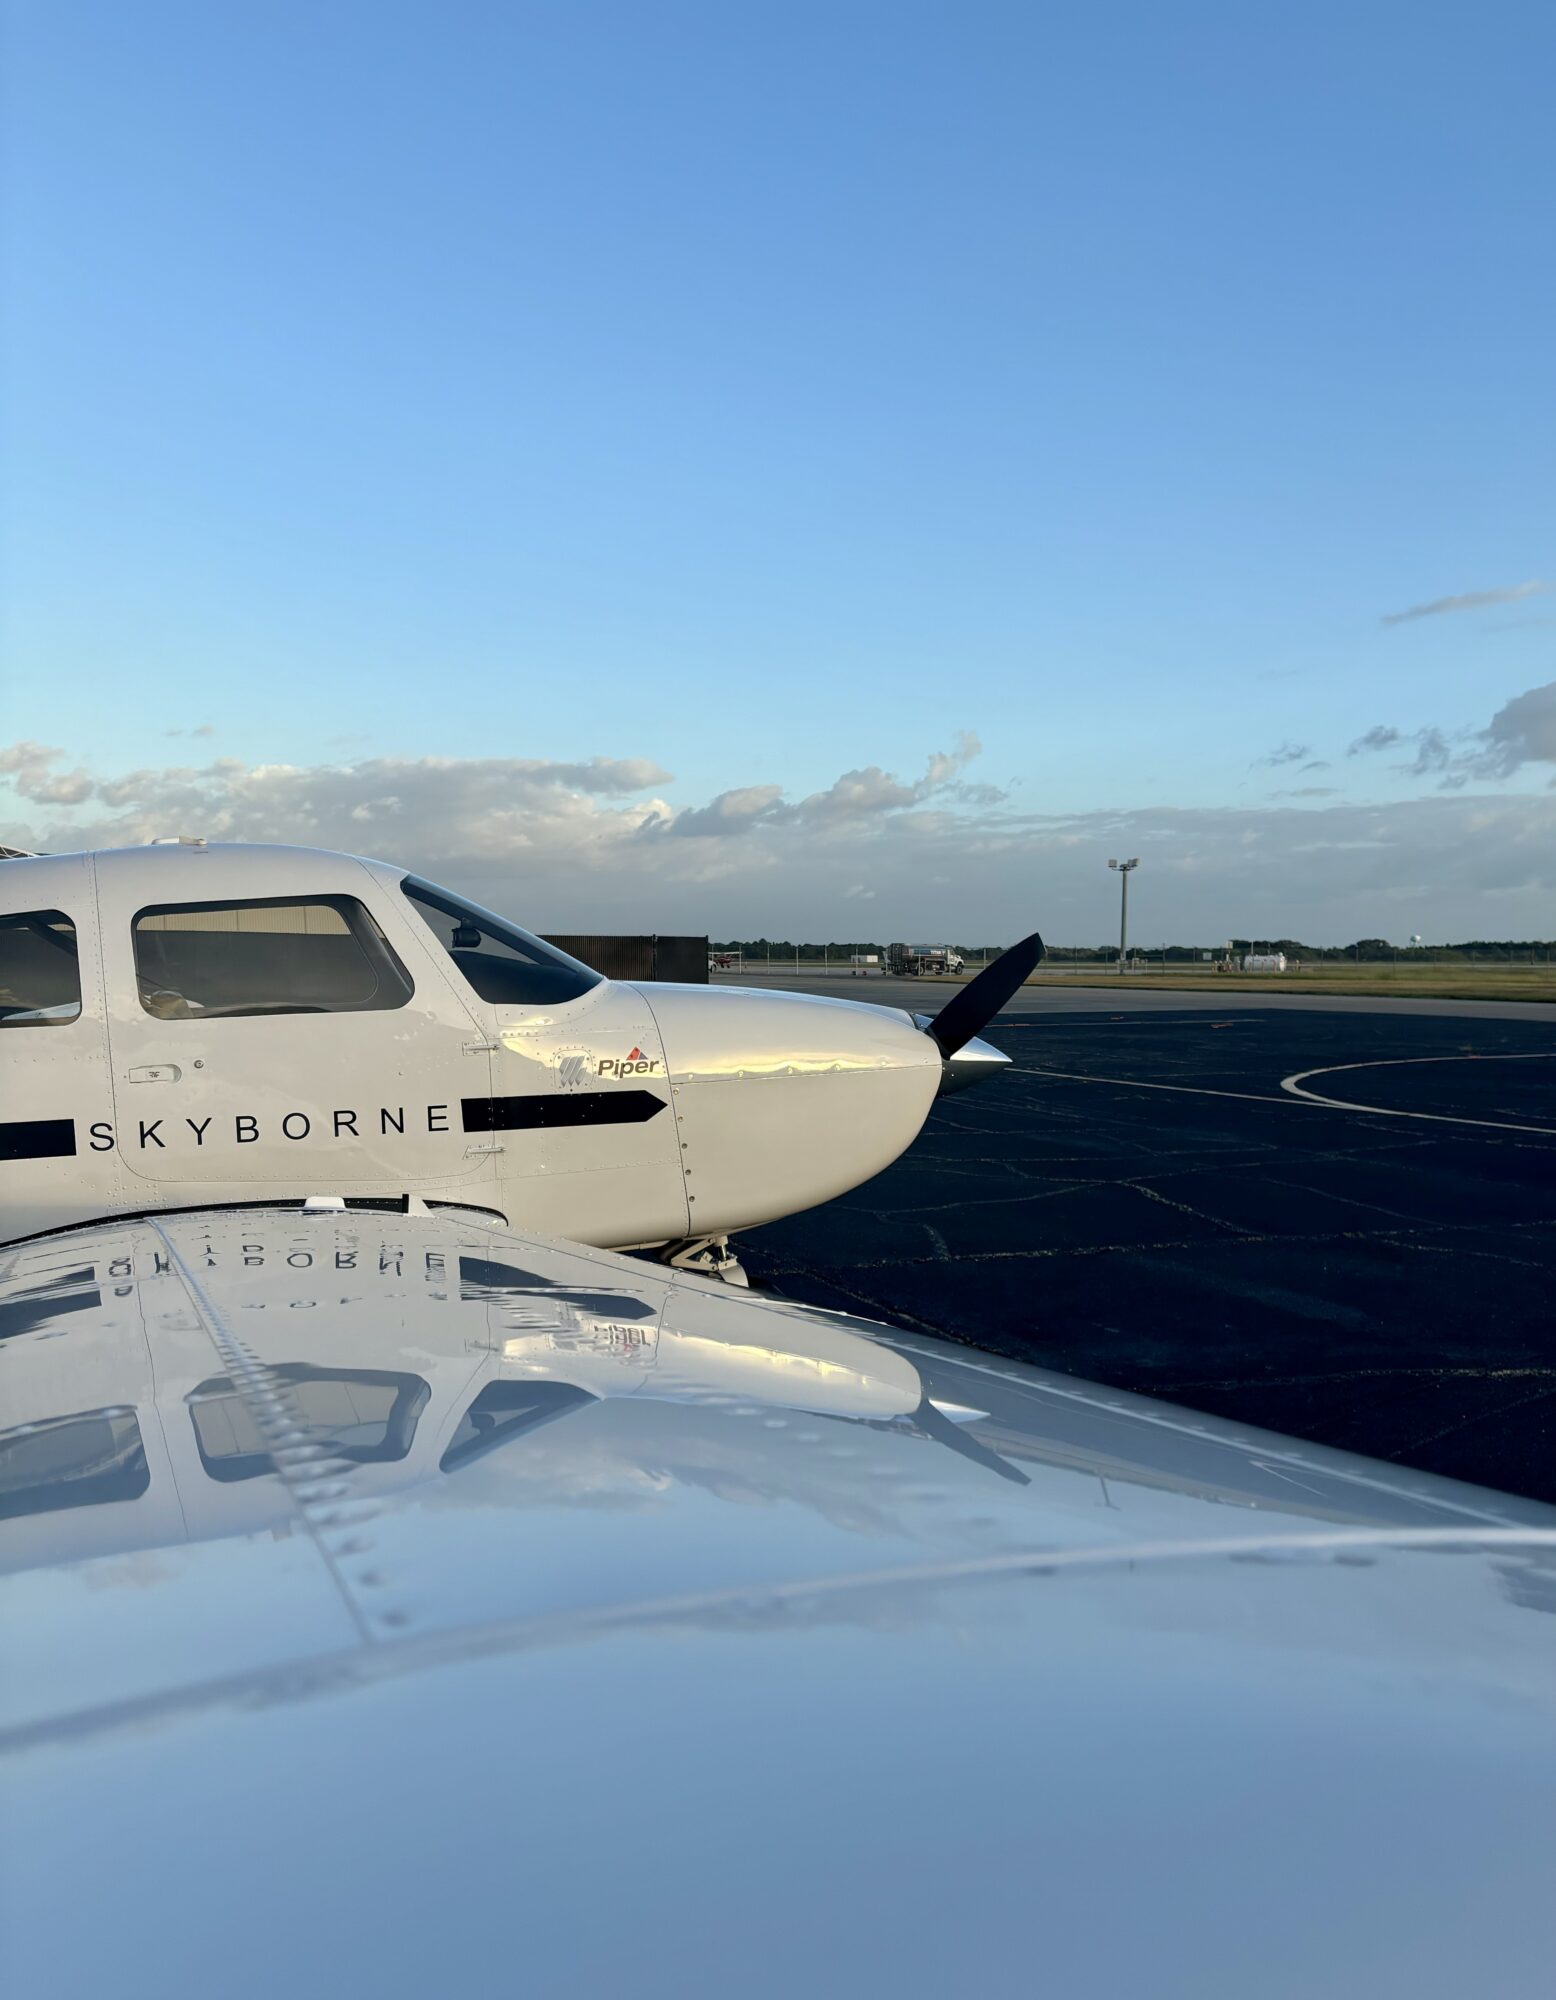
pixel 1409 1260
pixel 1473 1417
pixel 1401 1238
pixel 1200 1385
pixel 1154 1194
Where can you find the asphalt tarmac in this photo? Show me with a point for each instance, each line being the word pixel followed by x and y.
pixel 1139 1201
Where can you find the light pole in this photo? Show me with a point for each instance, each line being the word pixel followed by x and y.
pixel 1123 868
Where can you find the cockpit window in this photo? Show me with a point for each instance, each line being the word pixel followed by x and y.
pixel 505 965
pixel 40 979
pixel 274 955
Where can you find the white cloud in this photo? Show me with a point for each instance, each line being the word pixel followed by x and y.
pixel 593 845
pixel 29 767
pixel 1523 731
pixel 731 812
pixel 1380 737
pixel 1469 600
pixel 855 797
pixel 1432 754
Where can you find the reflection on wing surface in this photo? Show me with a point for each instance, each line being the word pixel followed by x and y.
pixel 366 1416
pixel 80 1461
pixel 506 1411
pixel 575 1378
pixel 307 1518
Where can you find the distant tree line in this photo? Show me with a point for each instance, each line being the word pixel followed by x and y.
pixel 1362 951
pixel 1375 949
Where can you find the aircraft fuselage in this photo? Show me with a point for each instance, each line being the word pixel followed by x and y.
pixel 188 1025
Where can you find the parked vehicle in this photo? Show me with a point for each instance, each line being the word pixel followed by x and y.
pixel 911 960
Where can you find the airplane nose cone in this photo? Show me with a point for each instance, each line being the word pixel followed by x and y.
pixel 783 1100
pixel 972 1062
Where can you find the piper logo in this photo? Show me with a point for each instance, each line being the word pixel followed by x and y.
pixel 636 1064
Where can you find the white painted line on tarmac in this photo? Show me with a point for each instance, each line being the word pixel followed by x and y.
pixel 1132 1083
pixel 1296 1095
pixel 1294 1084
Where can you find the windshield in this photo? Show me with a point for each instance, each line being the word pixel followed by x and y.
pixel 504 965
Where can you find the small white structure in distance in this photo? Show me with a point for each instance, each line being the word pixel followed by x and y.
pixel 1264 961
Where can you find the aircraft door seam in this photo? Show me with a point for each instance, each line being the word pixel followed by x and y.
pixel 680 1121
pixel 118 1178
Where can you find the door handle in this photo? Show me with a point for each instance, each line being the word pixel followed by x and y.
pixel 154 1073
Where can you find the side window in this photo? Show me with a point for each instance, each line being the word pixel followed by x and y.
pixel 275 955
pixel 505 965
pixel 40 979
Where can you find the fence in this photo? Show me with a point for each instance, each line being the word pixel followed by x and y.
pixel 834 959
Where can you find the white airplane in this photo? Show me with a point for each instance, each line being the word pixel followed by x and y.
pixel 409 1604
pixel 184 1024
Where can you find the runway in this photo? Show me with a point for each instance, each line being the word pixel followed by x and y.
pixel 1336 1221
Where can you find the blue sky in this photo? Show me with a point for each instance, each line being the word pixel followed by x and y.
pixel 765 393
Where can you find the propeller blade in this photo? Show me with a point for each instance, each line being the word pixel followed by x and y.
pixel 967 1013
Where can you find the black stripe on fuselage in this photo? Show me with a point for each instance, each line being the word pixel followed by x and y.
pixel 38 1139
pixel 550 1114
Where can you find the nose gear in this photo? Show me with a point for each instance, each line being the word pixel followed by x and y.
pixel 707 1257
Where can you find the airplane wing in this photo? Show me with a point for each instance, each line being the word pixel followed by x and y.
pixel 392 1604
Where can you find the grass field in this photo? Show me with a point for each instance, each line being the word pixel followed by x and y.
pixel 1427 982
